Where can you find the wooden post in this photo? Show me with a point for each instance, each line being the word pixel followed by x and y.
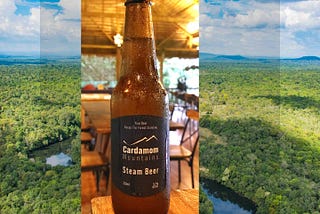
pixel 118 63
pixel 161 59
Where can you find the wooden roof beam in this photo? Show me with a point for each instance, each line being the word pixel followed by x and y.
pixel 166 39
pixel 105 33
pixel 181 49
pixel 172 19
pixel 185 9
pixel 98 46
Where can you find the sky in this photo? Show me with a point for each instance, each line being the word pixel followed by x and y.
pixel 40 27
pixel 231 27
pixel 288 29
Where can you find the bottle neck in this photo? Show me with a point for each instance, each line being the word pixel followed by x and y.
pixel 139 47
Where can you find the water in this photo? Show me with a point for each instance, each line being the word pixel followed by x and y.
pixel 54 154
pixel 59 159
pixel 225 200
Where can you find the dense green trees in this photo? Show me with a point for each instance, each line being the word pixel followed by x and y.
pixel 40 105
pixel 261 132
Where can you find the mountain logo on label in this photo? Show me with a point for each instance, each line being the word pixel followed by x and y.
pixel 144 139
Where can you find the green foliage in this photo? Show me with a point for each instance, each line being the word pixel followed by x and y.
pixel 264 121
pixel 40 105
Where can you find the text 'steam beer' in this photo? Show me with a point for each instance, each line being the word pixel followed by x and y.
pixel 139 111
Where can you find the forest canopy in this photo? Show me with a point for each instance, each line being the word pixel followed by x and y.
pixel 40 105
pixel 260 132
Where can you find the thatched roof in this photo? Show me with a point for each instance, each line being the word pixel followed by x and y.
pixel 102 19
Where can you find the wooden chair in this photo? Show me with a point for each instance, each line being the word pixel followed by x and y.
pixel 98 165
pixel 88 137
pixel 85 125
pixel 175 123
pixel 190 134
pixel 97 160
pixel 97 108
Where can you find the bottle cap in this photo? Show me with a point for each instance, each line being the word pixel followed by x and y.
pixel 137 1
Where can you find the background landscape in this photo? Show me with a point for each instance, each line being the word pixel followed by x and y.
pixel 260 105
pixel 40 107
pixel 260 122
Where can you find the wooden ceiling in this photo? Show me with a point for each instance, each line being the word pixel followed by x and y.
pixel 102 19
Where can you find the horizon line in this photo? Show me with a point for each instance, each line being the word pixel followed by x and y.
pixel 260 57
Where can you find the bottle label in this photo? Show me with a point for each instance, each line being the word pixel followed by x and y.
pixel 139 145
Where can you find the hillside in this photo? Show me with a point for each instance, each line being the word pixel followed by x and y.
pixel 308 58
pixel 264 136
pixel 208 56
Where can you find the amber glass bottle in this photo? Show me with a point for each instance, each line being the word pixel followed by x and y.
pixel 139 110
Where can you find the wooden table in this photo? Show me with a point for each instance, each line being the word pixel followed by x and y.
pixel 181 202
pixel 93 96
pixel 191 99
pixel 173 126
pixel 97 107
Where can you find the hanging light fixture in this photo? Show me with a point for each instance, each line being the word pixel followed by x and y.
pixel 118 40
pixel 193 27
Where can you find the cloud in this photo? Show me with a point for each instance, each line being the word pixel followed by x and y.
pixel 13 25
pixel 40 27
pixel 60 34
pixel 260 28
pixel 300 32
pixel 243 27
pixel 17 32
pixel 71 8
pixel 300 15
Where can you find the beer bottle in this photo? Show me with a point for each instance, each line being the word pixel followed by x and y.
pixel 139 126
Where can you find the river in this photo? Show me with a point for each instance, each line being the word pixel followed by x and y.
pixel 225 200
pixel 54 154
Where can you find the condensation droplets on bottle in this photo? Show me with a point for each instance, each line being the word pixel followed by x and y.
pixel 139 126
